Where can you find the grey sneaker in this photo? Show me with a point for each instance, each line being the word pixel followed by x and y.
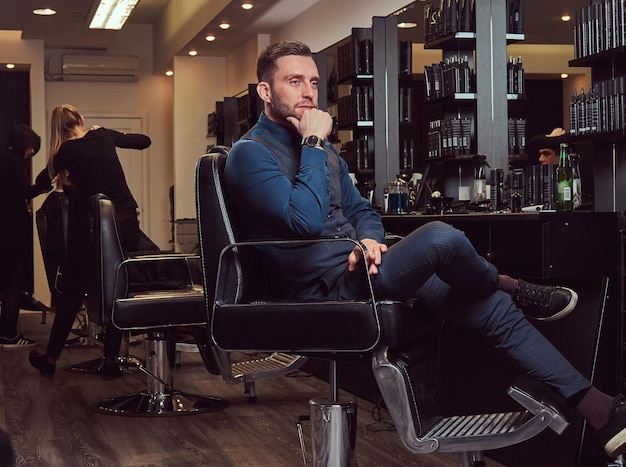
pixel 18 342
pixel 613 434
pixel 544 302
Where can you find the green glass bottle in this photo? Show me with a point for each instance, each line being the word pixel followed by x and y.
pixel 564 181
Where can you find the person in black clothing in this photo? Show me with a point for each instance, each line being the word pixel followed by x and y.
pixel 86 163
pixel 15 192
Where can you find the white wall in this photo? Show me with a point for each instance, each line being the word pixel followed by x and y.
pixel 241 64
pixel 198 83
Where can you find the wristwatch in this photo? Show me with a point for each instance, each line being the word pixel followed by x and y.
pixel 312 141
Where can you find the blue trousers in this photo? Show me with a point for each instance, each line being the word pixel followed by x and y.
pixel 437 264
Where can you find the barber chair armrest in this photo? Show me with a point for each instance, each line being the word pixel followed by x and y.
pixel 165 296
pixel 159 277
pixel 284 324
pixel 237 247
pixel 163 255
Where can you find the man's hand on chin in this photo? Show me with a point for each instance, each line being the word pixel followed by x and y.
pixel 313 122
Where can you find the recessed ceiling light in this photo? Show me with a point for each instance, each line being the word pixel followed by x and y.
pixel 407 25
pixel 247 6
pixel 44 12
pixel 210 38
pixel 564 75
pixel 565 18
pixel 224 25
pixel 193 53
pixel 169 73
pixel 10 66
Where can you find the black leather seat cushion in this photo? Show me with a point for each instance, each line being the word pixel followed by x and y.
pixel 160 309
pixel 317 326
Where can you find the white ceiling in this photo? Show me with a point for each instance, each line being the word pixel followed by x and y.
pixel 68 28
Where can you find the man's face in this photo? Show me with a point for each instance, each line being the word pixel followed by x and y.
pixel 548 156
pixel 293 90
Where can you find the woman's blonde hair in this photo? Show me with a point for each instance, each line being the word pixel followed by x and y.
pixel 64 118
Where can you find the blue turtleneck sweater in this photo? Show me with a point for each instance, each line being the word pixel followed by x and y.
pixel 284 190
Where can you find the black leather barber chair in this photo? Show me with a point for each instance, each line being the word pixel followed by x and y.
pixel 235 368
pixel 390 334
pixel 156 310
pixel 52 228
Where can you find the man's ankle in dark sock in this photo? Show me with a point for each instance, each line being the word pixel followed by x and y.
pixel 507 284
pixel 594 406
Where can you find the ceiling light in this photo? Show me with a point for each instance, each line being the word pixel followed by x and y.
pixel 407 25
pixel 564 75
pixel 193 53
pixel 247 6
pixel 169 73
pixel 224 25
pixel 112 14
pixel 44 12
pixel 565 18
pixel 210 38
pixel 10 66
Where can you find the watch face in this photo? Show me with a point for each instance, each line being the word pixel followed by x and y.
pixel 312 141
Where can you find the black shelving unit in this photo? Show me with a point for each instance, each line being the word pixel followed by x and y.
pixel 350 98
pixel 485 105
pixel 608 65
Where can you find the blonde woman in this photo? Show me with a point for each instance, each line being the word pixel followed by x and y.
pixel 86 163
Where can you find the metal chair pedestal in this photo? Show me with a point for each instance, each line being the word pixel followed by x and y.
pixel 159 398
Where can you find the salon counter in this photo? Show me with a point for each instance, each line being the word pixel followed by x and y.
pixel 539 245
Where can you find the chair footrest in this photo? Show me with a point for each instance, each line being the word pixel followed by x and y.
pixel 465 426
pixel 275 362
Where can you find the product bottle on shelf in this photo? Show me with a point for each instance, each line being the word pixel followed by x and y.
pixel 582 112
pixel 593 109
pixel 519 77
pixel 573 114
pixel 564 181
pixel 574 160
pixel 510 74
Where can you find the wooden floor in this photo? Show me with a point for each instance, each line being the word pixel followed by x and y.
pixel 52 422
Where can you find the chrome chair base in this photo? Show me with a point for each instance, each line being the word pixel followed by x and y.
pixel 144 404
pixel 159 398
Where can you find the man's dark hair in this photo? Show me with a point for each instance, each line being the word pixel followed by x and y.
pixel 266 63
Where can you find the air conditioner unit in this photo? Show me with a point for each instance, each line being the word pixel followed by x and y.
pixel 100 68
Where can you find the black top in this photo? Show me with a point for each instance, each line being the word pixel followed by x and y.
pixel 15 186
pixel 94 167
pixel 15 191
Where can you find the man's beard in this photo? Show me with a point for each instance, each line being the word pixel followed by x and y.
pixel 282 110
